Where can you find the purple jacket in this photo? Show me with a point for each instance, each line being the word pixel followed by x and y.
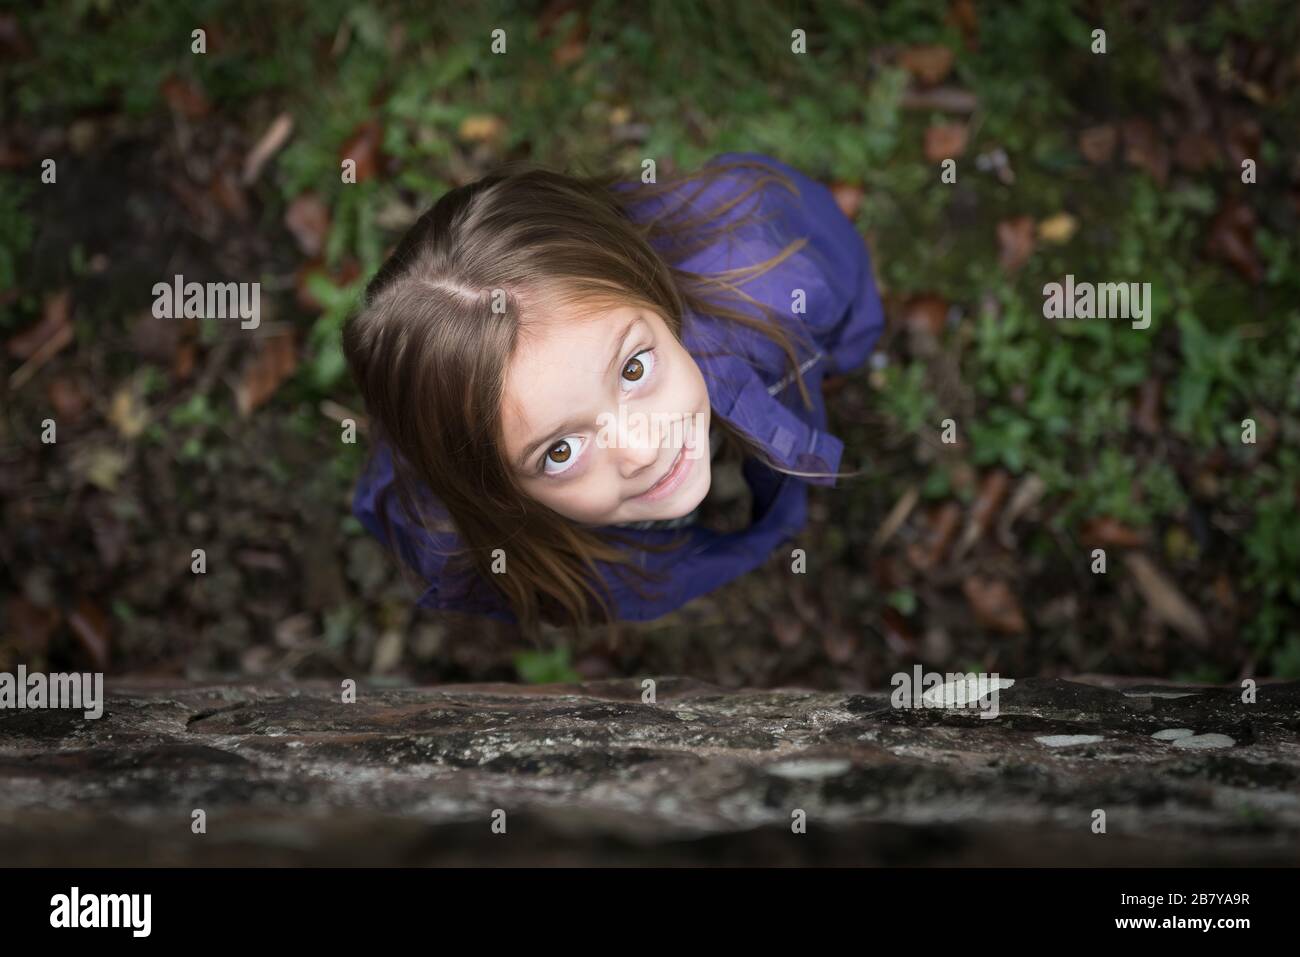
pixel 843 318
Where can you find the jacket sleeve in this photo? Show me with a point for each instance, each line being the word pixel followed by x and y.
pixel 844 316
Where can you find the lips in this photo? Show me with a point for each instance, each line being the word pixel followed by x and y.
pixel 669 478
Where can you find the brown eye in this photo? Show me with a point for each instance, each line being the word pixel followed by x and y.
pixel 634 370
pixel 562 457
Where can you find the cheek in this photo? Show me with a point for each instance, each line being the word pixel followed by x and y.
pixel 588 497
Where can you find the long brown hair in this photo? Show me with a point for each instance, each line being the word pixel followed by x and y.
pixel 430 348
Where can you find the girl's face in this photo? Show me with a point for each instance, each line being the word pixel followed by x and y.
pixel 606 417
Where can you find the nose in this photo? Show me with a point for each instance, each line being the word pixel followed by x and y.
pixel 638 447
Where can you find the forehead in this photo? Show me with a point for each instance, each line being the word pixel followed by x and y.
pixel 558 367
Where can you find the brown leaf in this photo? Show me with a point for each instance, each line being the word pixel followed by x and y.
pixel 156 339
pixel 1166 601
pixel 347 270
pixel 1243 140
pixel 183 364
pixel 308 218
pixel 1097 144
pixel 1144 148
pixel 53 326
pixel 994 604
pixel 945 520
pixel 898 633
pixel 68 398
pixel 14 44
pixel 788 629
pixel 365 147
pixel 848 197
pixel 1232 238
pixel 229 194
pixel 984 510
pixel 274 362
pixel 1146 408
pixel 185 97
pixel 481 128
pixel 926 316
pixel 31 625
pixel 1195 151
pixel 945 141
pixel 961 14
pixel 90 625
pixel 1028 493
pixel 929 64
pixel 270 143
pixel 1107 531
pixel 1016 242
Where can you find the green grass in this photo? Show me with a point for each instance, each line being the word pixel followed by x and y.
pixel 1053 398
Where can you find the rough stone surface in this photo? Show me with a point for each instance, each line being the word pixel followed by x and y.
pixel 587 773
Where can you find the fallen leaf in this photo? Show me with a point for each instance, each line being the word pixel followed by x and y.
pixel 1147 405
pixel 945 141
pixel 53 326
pixel 364 147
pixel 273 363
pixel 1016 242
pixel 944 521
pixel 788 629
pixel 127 411
pixel 156 339
pixel 848 197
pixel 229 194
pixel 994 604
pixel 1028 493
pixel 183 365
pixel 1232 238
pixel 896 517
pixel 68 398
pixel 1165 601
pixel 270 143
pixel 930 65
pixel 1195 151
pixel 1097 144
pixel 1104 530
pixel 1144 149
pixel 31 625
pixel 988 502
pixel 346 271
pixel 1058 229
pixel 898 634
pixel 1243 140
pixel 926 316
pixel 308 219
pixel 481 127
pixel 185 97
pixel 961 14
pixel 89 623
pixel 100 465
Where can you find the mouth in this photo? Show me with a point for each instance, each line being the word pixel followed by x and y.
pixel 671 480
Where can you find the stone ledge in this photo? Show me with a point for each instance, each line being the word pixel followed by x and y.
pixel 586 773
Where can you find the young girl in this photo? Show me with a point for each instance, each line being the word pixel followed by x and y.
pixel 545 360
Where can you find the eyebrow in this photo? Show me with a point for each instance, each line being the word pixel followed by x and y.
pixel 559 430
